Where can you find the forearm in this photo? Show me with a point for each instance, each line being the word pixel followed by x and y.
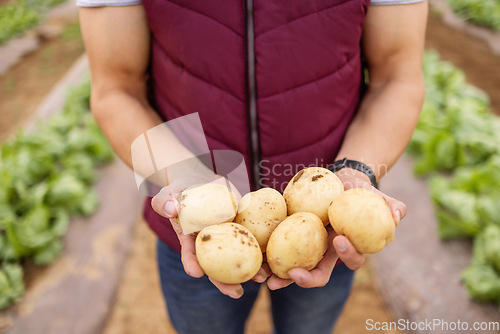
pixel 393 45
pixel 117 41
pixel 384 123
pixel 124 118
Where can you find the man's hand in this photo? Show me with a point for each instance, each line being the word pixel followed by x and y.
pixel 339 246
pixel 166 205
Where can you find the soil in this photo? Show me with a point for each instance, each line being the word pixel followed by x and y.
pixel 24 86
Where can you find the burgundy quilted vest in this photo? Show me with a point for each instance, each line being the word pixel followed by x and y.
pixel 278 81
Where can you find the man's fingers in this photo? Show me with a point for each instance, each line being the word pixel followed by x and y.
pixel 166 206
pixel 347 253
pixel 177 228
pixel 188 256
pixel 188 251
pixel 267 269
pixel 275 283
pixel 232 290
pixel 261 275
pixel 317 277
pixel 398 208
pixel 320 275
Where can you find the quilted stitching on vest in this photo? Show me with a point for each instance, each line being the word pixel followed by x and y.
pixel 308 77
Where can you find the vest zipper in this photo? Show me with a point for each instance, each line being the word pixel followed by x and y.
pixel 252 97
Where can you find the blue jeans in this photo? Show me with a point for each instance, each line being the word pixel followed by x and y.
pixel 195 306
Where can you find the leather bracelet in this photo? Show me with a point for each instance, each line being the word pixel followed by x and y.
pixel 357 165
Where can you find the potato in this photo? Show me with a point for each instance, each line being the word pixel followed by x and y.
pixel 312 190
pixel 261 211
pixel 300 240
pixel 364 218
pixel 228 252
pixel 205 205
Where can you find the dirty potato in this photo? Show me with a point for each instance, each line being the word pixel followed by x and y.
pixel 312 190
pixel 364 218
pixel 205 205
pixel 261 211
pixel 301 240
pixel 228 253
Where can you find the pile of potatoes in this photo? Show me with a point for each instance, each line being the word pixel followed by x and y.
pixel 289 228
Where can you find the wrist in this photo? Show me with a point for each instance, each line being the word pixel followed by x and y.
pixel 354 171
pixel 352 178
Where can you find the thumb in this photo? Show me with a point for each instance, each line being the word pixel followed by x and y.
pixel 167 207
pixel 398 209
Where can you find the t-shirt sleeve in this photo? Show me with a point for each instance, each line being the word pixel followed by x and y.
pixel 393 2
pixel 100 3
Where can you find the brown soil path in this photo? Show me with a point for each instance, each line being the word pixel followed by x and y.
pixel 25 85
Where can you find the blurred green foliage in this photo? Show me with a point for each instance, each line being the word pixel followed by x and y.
pixel 18 16
pixel 15 18
pixel 46 177
pixel 457 144
pixel 72 32
pixel 480 12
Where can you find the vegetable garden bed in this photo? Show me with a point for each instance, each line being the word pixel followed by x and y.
pixel 459 136
pixel 490 36
pixel 18 16
pixel 418 274
pixel 24 24
pixel 481 12
pixel 75 293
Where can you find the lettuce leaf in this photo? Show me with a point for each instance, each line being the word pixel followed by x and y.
pixel 11 284
pixel 482 281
